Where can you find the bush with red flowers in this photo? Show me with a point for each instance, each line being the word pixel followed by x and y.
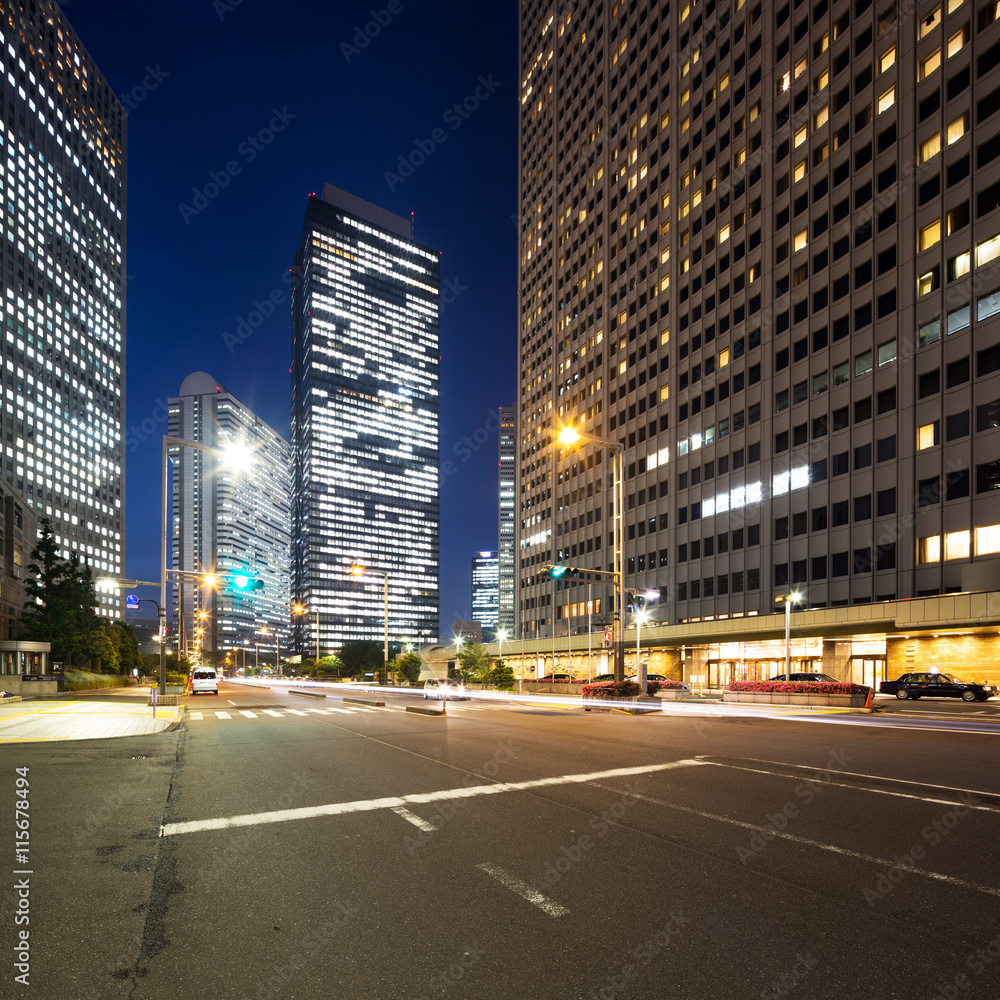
pixel 798 687
pixel 653 686
pixel 611 689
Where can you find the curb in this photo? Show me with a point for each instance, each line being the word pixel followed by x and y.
pixel 178 720
pixel 364 701
pixel 419 710
pixel 307 694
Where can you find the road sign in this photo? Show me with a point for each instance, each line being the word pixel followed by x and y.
pixel 132 601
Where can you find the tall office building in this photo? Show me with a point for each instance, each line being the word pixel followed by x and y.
pixel 507 527
pixel 486 590
pixel 63 277
pixel 365 423
pixel 759 249
pixel 232 519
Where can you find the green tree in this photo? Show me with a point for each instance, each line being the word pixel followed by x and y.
pixel 123 636
pixel 502 676
pixel 61 601
pixel 330 666
pixel 473 662
pixel 363 656
pixel 100 650
pixel 408 667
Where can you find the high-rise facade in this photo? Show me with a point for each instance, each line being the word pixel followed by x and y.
pixel 232 519
pixel 507 526
pixel 63 277
pixel 365 423
pixel 759 249
pixel 486 590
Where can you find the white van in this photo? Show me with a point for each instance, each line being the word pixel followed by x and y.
pixel 204 680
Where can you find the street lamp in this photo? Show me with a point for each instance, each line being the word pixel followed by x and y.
pixel 789 599
pixel 570 436
pixel 299 609
pixel 277 647
pixel 361 571
pixel 235 456
pixel 640 617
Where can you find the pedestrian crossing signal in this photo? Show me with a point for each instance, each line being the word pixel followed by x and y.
pixel 606 641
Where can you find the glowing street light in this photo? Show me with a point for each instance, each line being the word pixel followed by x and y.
pixel 300 609
pixel 793 598
pixel 360 571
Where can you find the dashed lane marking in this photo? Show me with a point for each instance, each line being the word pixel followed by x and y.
pixel 420 824
pixel 524 890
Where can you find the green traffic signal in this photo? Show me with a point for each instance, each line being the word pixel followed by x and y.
pixel 241 582
pixel 557 571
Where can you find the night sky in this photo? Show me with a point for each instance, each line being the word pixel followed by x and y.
pixel 341 98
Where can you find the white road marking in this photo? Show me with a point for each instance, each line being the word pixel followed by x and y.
pixel 317 711
pixel 294 711
pixel 833 848
pixel 233 703
pixel 858 788
pixel 223 715
pixel 344 711
pixel 249 715
pixel 418 798
pixel 421 824
pixel 195 715
pixel 524 890
pixel 271 711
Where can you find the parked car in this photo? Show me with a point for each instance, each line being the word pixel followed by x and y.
pixel 815 678
pixel 444 688
pixel 561 679
pixel 936 685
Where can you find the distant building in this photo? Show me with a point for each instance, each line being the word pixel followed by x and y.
pixel 18 534
pixel 485 590
pixel 230 522
pixel 466 631
pixel 507 528
pixel 365 424
pixel 62 276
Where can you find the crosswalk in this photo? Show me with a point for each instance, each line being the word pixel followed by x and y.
pixel 260 712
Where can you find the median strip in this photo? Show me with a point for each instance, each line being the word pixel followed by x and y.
pixel 419 798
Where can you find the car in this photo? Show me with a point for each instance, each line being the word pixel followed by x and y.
pixel 204 680
pixel 560 679
pixel 935 684
pixel 808 678
pixel 444 688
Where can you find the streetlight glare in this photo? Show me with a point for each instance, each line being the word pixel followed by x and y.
pixel 236 455
pixel 569 435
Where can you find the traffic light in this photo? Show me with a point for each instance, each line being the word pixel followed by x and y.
pixel 565 572
pixel 244 583
pixel 557 571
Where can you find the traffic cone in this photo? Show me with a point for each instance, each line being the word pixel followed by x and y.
pixel 868 700
pixel 444 706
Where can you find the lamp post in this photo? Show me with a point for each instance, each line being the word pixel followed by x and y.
pixel 360 571
pixel 789 599
pixel 234 456
pixel 570 436
pixel 299 609
pixel 640 617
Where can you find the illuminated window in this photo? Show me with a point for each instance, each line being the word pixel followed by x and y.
pixel 799 241
pixel 696 198
pixel 821 44
pixel 988 540
pixel 887 59
pixel 800 67
pixel 956 544
pixel 802 134
pixel 822 81
pixel 929 235
pixel 930 148
pixel 929 22
pixel 953 5
pixel 957 41
pixel 754 273
pixel 959 265
pixel 800 171
pixel 740 158
pixel 686 96
pixel 988 250
pixel 754 112
pixel 958 128
pixel 786 82
pixel 724 234
pixel 887 100
pixel 929 64
pixel 927 435
pixel 621 367
pixel 724 357
pixel 664 393
pixel 685 125
pixel 724 82
pixel 929 549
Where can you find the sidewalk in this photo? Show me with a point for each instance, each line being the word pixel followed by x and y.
pixel 85 715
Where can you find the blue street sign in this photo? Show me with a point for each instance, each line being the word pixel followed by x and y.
pixel 132 601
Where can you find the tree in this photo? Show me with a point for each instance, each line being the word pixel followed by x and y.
pixel 123 636
pixel 330 666
pixel 502 676
pixel 474 662
pixel 363 656
pixel 61 601
pixel 408 667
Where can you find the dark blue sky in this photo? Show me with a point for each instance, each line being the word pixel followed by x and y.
pixel 201 79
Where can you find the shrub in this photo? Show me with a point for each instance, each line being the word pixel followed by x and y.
pixel 653 686
pixel 84 680
pixel 798 687
pixel 612 689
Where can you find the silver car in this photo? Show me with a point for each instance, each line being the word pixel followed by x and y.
pixel 444 687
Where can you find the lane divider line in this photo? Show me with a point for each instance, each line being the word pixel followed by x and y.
pixel 524 890
pixel 420 824
pixel 418 798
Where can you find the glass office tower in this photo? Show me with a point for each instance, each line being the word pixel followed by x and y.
pixel 507 527
pixel 62 268
pixel 486 590
pixel 365 423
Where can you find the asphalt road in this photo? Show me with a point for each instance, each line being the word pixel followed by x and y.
pixel 490 854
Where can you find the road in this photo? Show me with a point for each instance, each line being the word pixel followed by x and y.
pixel 507 853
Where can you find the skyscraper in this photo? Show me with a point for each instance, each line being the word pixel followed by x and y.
pixel 365 423
pixel 750 261
pixel 63 278
pixel 507 527
pixel 233 521
pixel 485 590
